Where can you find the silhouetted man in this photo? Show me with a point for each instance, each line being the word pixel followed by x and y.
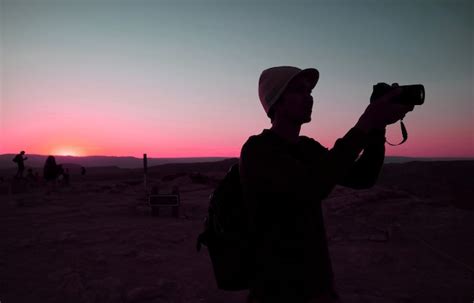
pixel 285 177
pixel 20 161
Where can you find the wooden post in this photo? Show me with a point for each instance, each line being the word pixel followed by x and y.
pixel 145 171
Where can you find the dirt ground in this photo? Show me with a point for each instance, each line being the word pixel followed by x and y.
pixel 96 241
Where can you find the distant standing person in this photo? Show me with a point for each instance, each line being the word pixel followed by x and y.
pixel 83 171
pixel 51 169
pixel 66 177
pixel 20 161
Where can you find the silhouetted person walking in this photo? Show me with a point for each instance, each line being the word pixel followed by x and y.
pixel 285 177
pixel 20 161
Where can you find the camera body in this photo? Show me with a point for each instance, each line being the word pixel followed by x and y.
pixel 413 94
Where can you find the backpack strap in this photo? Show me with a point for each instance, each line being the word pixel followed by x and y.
pixel 204 236
pixel 199 242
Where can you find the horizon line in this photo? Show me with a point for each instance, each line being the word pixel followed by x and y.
pixel 204 157
pixel 83 156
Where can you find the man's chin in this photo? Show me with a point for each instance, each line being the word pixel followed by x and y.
pixel 302 120
pixel 307 119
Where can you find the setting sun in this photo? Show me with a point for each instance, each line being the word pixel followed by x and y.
pixel 69 151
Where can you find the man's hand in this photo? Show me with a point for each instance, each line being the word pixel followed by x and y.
pixel 383 112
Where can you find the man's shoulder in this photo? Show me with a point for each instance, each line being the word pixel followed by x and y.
pixel 256 141
pixel 311 143
pixel 265 140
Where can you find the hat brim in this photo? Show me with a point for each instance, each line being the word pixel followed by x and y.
pixel 311 74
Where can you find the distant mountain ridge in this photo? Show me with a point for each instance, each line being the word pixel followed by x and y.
pixel 133 162
pixel 100 161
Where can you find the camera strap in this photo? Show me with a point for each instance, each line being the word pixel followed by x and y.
pixel 404 134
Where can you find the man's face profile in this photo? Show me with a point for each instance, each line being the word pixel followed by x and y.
pixel 296 102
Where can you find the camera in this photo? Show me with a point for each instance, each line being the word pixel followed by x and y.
pixel 413 94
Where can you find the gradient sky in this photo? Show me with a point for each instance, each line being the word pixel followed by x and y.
pixel 179 79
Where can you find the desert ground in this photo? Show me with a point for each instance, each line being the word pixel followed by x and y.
pixel 407 239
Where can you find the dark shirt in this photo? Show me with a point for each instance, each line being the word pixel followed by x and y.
pixel 20 161
pixel 283 186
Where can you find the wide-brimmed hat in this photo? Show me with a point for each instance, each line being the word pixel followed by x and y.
pixel 274 80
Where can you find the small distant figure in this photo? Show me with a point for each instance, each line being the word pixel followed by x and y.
pixel 51 170
pixel 60 173
pixel 83 171
pixel 175 209
pixel 20 161
pixel 66 177
pixel 60 169
pixel 30 176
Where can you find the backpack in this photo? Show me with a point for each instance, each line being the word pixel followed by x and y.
pixel 225 233
pixel 16 160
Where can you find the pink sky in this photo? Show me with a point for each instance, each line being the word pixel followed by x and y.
pixel 181 80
